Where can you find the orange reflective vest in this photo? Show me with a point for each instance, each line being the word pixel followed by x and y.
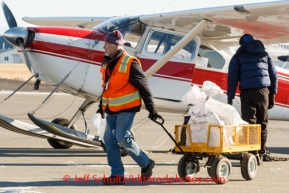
pixel 119 94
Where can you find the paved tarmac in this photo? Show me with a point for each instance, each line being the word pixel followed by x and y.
pixel 30 165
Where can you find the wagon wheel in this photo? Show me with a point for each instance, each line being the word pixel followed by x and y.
pixel 209 163
pixel 188 169
pixel 248 166
pixel 220 169
pixel 259 159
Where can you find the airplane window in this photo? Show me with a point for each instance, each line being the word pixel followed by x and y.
pixel 157 43
pixel 279 54
pixel 155 47
pixel 216 60
pixel 187 52
pixel 130 27
pixel 161 43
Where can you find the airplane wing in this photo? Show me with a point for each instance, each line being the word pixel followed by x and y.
pixel 83 22
pixel 268 22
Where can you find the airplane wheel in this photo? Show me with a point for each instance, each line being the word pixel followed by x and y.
pixel 220 169
pixel 60 144
pixel 122 150
pixel 249 166
pixel 188 169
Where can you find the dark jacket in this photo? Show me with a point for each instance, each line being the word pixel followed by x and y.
pixel 136 78
pixel 253 68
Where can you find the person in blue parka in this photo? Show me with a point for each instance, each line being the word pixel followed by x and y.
pixel 251 67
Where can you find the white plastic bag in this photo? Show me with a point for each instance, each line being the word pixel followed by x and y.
pixel 194 96
pixel 226 112
pixel 201 117
pixel 211 89
pixel 229 116
pixel 100 124
pixel 210 111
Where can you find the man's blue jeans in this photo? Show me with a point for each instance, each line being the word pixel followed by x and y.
pixel 117 133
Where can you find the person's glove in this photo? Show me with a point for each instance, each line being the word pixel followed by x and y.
pixel 153 114
pixel 271 101
pixel 230 101
pixel 101 112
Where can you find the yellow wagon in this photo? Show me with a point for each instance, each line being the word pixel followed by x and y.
pixel 244 140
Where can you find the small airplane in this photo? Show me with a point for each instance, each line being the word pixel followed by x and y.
pixel 176 50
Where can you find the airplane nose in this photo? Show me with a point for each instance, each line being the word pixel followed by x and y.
pixel 21 36
pixel 16 34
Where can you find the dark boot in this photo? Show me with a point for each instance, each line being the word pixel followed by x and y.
pixel 147 171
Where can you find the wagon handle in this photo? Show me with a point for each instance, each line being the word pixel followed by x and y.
pixel 161 124
pixel 159 118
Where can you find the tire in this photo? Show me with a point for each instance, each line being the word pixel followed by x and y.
pixel 122 150
pixel 210 160
pixel 209 172
pixel 249 166
pixel 259 159
pixel 220 169
pixel 188 169
pixel 60 144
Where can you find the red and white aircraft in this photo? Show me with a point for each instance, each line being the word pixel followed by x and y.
pixel 176 49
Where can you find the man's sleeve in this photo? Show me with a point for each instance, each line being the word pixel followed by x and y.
pixel 233 77
pixel 273 76
pixel 138 79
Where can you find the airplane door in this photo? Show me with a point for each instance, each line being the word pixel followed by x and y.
pixel 177 72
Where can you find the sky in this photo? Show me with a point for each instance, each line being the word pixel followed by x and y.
pixel 52 8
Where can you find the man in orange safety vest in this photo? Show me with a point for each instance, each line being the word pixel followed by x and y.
pixel 124 88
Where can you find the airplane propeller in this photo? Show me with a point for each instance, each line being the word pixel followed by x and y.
pixel 9 16
pixel 17 36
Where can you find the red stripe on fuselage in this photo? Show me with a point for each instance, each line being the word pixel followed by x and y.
pixel 284 74
pixel 201 75
pixel 175 69
pixel 65 51
pixel 220 79
pixel 72 32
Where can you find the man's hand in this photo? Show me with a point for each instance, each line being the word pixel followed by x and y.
pixel 271 101
pixel 230 101
pixel 153 114
pixel 101 112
